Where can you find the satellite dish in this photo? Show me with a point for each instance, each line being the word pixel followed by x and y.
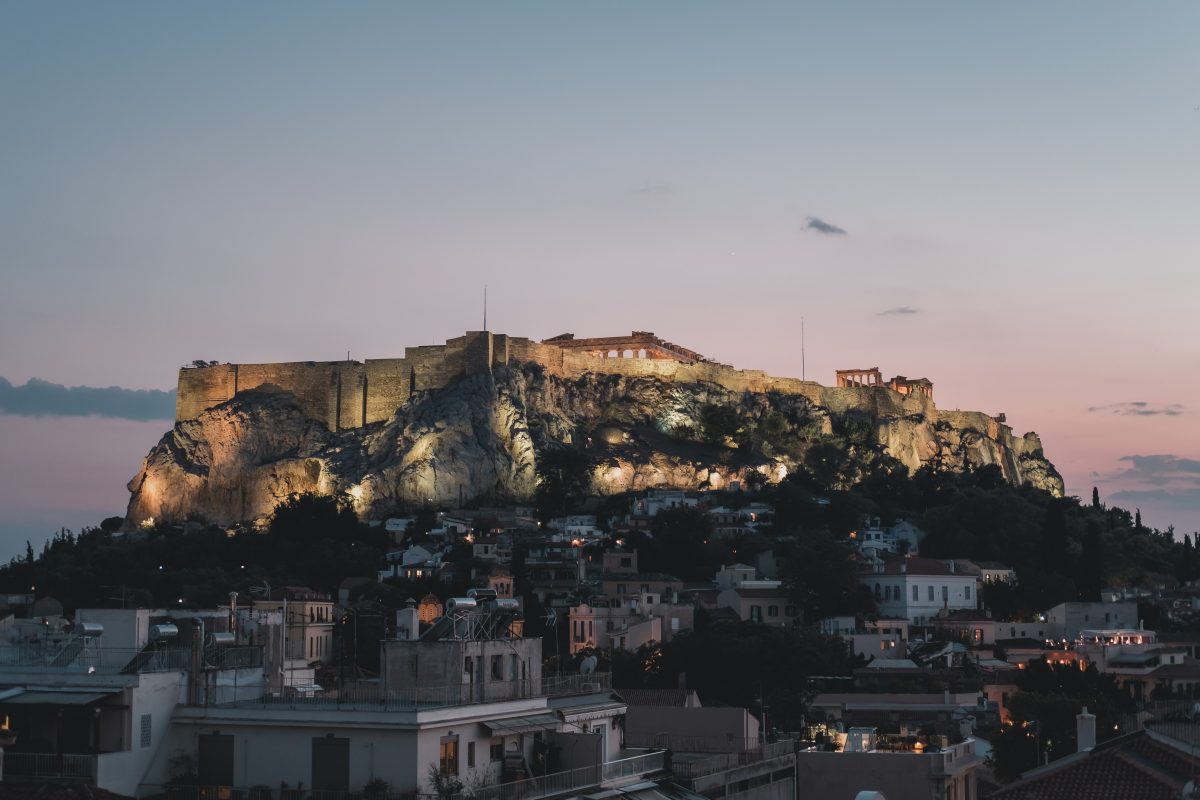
pixel 588 665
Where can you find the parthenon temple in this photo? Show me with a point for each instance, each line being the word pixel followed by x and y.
pixel 873 377
pixel 639 344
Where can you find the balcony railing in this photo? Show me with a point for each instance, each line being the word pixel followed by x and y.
pixel 58 766
pixel 570 780
pixel 557 783
pixel 425 697
pixel 723 762
pixel 89 658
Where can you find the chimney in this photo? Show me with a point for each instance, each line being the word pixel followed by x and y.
pixel 1085 731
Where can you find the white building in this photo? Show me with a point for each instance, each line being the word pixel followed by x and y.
pixel 467 700
pixel 875 541
pixel 657 500
pixel 918 588
pixel 731 576
pixel 87 710
pixel 1066 620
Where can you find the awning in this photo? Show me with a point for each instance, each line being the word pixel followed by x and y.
pixel 593 711
pixel 34 697
pixel 541 722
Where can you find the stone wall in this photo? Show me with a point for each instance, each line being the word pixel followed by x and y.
pixel 349 394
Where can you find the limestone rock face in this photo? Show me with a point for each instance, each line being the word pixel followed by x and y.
pixel 481 438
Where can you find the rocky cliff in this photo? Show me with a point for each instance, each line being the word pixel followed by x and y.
pixel 482 436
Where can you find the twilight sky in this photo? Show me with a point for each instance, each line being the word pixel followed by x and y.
pixel 1002 197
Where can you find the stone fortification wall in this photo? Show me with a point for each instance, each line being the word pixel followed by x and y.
pixel 344 394
pixel 202 388
pixel 349 394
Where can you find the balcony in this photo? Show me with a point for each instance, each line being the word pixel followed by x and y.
pixel 78 657
pixel 556 784
pixel 49 766
pixel 426 698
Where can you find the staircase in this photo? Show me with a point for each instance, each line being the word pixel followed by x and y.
pixel 68 654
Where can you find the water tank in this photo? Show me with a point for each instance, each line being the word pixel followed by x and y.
pixel 164 630
pixel 481 595
pixel 91 629
pixel 508 604
pixel 221 639
pixel 460 604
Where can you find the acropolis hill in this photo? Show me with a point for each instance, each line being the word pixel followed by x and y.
pixel 351 394
pixel 468 419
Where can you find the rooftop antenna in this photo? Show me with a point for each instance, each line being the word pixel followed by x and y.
pixel 485 307
pixel 802 356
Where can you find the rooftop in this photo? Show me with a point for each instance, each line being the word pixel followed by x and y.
pixel 1137 766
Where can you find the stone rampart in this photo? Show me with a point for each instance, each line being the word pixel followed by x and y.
pixel 349 394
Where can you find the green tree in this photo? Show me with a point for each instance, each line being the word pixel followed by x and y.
pixel 308 518
pixel 732 663
pixel 564 476
pixel 718 423
pixel 822 577
pixel 1090 579
pixel 1043 713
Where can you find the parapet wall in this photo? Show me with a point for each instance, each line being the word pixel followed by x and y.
pixel 350 394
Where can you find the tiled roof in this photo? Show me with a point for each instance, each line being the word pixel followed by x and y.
pixel 918 566
pixel 777 592
pixel 1189 669
pixel 1130 767
pixel 654 697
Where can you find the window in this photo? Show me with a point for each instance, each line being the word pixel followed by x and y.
pixel 497 668
pixel 896 593
pixel 620 588
pixel 931 594
pixel 789 611
pixel 496 751
pixel 626 561
pixel 147 722
pixel 470 755
pixel 756 613
pixel 945 593
pixel 649 599
pixel 878 592
pixel 674 623
pixel 772 611
pixel 916 593
pixel 448 755
pixel 967 591
pixel 645 588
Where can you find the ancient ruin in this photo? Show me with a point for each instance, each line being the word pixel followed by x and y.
pixel 873 378
pixel 352 394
